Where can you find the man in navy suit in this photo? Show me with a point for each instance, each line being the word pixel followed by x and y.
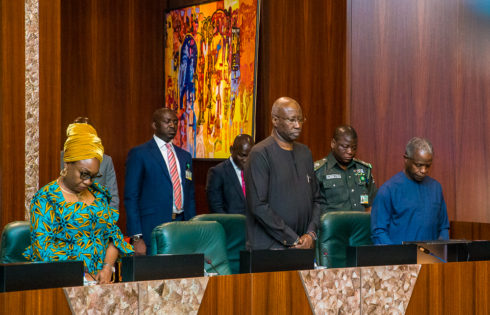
pixel 158 184
pixel 225 186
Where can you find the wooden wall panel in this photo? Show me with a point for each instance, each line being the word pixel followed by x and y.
pixel 49 89
pixel 469 230
pixel 12 111
pixel 302 55
pixel 112 72
pixel 228 295
pixel 259 293
pixel 34 302
pixel 279 293
pixel 419 68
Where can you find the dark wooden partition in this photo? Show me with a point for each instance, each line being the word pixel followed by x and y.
pixel 12 111
pixel 422 68
pixel 49 89
pixel 394 69
pixel 112 71
pixel 469 230
pixel 302 55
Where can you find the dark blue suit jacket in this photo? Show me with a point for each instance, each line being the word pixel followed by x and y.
pixel 148 192
pixel 223 189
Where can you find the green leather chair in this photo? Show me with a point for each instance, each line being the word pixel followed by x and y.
pixel 338 230
pixel 235 232
pixel 16 236
pixel 192 237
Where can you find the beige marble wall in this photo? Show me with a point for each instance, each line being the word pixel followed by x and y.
pixel 179 296
pixel 333 291
pixel 366 290
pixel 31 101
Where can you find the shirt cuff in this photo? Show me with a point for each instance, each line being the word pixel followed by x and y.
pixel 313 235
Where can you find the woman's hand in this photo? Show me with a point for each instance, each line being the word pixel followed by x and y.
pixel 104 276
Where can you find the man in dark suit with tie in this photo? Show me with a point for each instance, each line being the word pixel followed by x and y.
pixel 225 187
pixel 158 184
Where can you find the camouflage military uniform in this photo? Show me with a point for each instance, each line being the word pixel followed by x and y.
pixel 349 189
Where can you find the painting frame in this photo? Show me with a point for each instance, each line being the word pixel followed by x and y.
pixel 217 100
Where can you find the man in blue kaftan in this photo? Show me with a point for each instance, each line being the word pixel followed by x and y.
pixel 410 205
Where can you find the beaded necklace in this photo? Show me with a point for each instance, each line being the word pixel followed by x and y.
pixel 80 196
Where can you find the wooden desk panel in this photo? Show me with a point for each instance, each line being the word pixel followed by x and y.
pixel 452 288
pixel 279 293
pixel 33 302
pixel 227 295
pixel 260 293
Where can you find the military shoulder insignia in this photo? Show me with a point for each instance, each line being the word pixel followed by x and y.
pixel 363 163
pixel 320 163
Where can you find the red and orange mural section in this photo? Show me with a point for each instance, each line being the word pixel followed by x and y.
pixel 210 74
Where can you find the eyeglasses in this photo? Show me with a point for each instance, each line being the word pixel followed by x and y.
pixel 294 120
pixel 86 176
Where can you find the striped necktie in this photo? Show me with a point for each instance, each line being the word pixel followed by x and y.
pixel 174 175
pixel 243 184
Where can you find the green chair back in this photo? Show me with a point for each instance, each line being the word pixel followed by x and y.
pixel 192 237
pixel 338 230
pixel 235 232
pixel 15 239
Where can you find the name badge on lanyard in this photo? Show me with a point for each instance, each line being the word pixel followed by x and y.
pixel 364 199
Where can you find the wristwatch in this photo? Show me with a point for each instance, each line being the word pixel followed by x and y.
pixel 136 237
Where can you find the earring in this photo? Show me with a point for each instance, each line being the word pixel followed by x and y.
pixel 63 172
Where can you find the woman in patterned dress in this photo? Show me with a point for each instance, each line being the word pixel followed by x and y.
pixel 71 218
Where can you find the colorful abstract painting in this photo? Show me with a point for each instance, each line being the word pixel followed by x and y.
pixel 210 74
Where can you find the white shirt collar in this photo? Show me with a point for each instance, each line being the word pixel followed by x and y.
pixel 237 169
pixel 160 142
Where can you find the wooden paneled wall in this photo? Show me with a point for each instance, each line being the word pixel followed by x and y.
pixel 302 54
pixel 12 111
pixel 12 101
pixel 49 89
pixel 394 69
pixel 422 68
pixel 112 71
pixel 469 230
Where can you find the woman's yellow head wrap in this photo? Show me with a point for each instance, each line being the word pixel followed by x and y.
pixel 82 143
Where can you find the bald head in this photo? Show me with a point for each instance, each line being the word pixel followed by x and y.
pixel 344 131
pixel 240 140
pixel 161 112
pixel 283 103
pixel 287 120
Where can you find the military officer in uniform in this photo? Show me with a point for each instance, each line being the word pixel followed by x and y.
pixel 345 182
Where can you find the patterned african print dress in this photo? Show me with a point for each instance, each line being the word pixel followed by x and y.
pixel 62 230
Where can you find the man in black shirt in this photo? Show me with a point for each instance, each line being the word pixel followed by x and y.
pixel 282 192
